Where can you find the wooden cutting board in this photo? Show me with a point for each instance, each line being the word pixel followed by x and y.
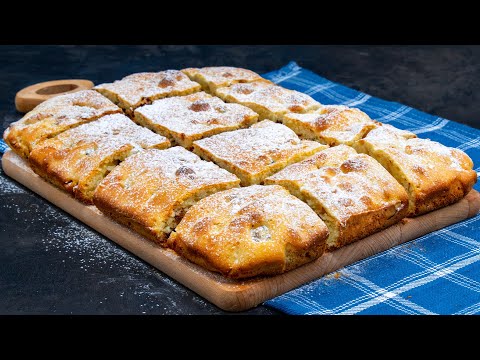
pixel 228 294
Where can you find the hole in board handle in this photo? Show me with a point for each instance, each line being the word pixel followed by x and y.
pixel 56 89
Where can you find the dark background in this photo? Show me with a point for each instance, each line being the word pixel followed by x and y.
pixel 51 263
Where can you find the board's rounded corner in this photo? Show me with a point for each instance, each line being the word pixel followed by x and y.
pixel 234 301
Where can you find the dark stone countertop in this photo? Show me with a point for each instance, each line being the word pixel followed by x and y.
pixel 50 263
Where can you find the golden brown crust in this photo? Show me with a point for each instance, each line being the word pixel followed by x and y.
pixel 331 124
pixel 351 192
pixel 257 152
pixel 250 231
pixel 151 191
pixel 213 77
pixel 54 116
pixel 268 100
pixel 79 158
pixel 142 88
pixel 433 175
pixel 74 143
pixel 184 119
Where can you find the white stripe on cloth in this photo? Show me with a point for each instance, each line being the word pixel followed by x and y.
pixel 402 110
pixel 395 252
pixel 380 295
pixel 474 143
pixel 360 99
pixel 285 77
pixel 471 310
pixel 436 125
pixel 312 306
pixel 461 240
pixel 414 284
pixel 423 262
pixel 438 268
pixel 319 88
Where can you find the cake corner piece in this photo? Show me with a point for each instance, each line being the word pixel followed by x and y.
pixel 250 231
pixel 433 174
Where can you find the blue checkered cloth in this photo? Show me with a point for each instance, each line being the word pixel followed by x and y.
pixel 3 147
pixel 438 273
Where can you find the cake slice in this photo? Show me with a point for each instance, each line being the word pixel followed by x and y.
pixel 151 191
pixel 434 175
pixel 270 101
pixel 54 116
pixel 184 119
pixel 331 124
pixel 351 192
pixel 213 77
pixel 78 159
pixel 142 88
pixel 250 231
pixel 257 152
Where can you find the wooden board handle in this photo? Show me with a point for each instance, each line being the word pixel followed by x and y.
pixel 29 97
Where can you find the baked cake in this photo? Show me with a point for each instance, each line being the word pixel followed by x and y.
pixel 313 197
pixel 257 152
pixel 213 77
pixel 351 192
pixel 270 101
pixel 184 119
pixel 54 116
pixel 78 159
pixel 142 88
pixel 434 175
pixel 151 191
pixel 250 231
pixel 331 124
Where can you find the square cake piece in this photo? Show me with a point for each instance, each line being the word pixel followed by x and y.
pixel 257 152
pixel 78 159
pixel 184 119
pixel 54 116
pixel 213 77
pixel 151 191
pixel 434 175
pixel 142 88
pixel 250 231
pixel 270 101
pixel 331 124
pixel 351 192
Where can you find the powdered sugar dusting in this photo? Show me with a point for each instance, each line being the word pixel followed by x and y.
pixel 111 132
pixel 196 113
pixel 69 109
pixel 101 138
pixel 419 158
pixel 8 186
pixel 222 75
pixel 250 225
pixel 75 155
pixel 273 97
pixel 168 179
pixel 387 133
pixel 261 145
pixel 130 281
pixel 272 201
pixel 149 85
pixel 176 164
pixel 344 182
pixel 332 124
